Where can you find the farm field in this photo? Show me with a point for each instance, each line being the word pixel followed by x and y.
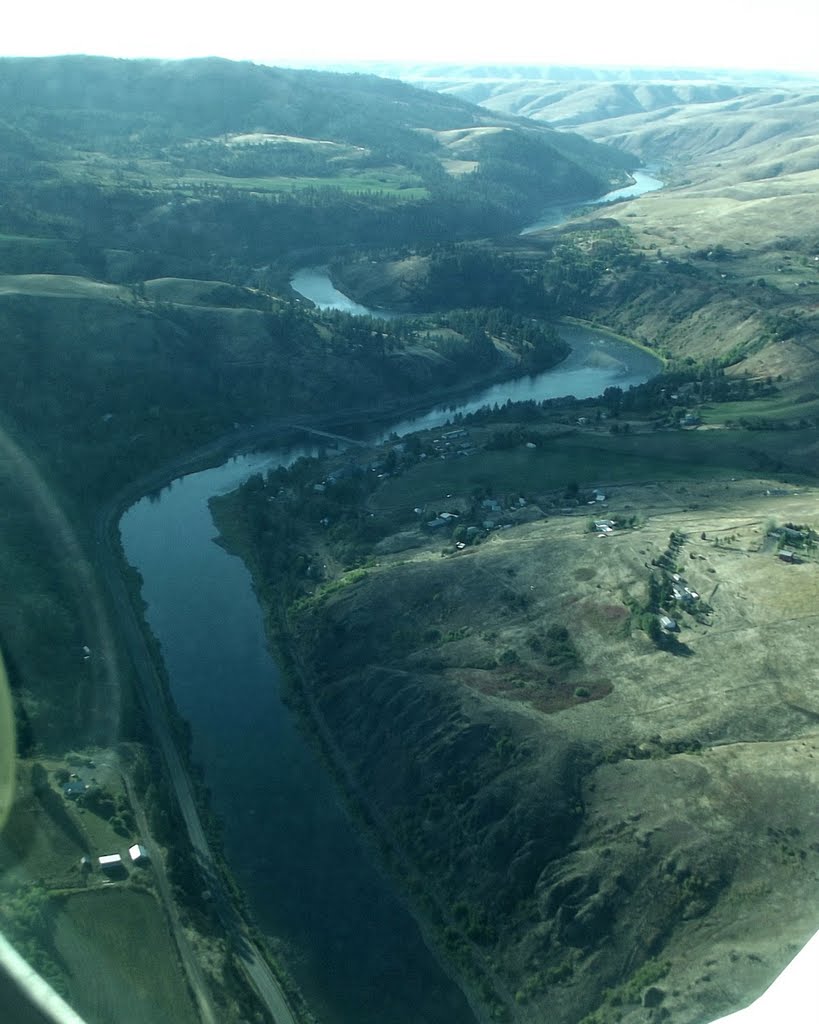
pixel 103 943
pixel 599 459
pixel 119 958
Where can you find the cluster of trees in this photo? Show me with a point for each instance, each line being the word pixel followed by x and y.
pixel 465 276
pixel 260 160
pixel 560 280
pixel 26 917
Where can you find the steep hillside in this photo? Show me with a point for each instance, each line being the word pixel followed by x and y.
pixel 597 819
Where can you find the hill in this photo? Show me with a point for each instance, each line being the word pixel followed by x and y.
pixel 722 263
pixel 596 818
pixel 212 169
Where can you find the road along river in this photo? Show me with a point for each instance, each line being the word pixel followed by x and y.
pixel 351 943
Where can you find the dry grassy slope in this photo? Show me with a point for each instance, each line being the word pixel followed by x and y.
pixel 747 158
pixel 669 121
pixel 764 294
pixel 580 103
pixel 743 172
pixel 771 133
pixel 746 217
pixel 750 183
pixel 708 859
pixel 386 284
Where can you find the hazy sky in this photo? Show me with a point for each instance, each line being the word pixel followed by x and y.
pixel 780 35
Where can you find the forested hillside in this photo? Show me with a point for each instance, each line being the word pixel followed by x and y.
pixel 207 168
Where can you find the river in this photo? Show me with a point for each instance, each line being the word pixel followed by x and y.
pixel 351 943
pixel 643 182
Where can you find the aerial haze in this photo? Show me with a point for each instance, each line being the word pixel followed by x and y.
pixel 732 34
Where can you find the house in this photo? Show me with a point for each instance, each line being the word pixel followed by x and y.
pixel 74 788
pixel 138 854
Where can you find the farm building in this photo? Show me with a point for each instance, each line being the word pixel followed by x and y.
pixel 138 854
pixel 111 864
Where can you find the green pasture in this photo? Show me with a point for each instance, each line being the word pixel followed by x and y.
pixel 120 958
pixel 160 176
pixel 781 407
pixel 603 459
pixel 37 844
pixel 388 184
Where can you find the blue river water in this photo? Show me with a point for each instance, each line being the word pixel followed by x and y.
pixel 643 182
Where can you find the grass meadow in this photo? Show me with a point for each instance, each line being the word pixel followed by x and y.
pixel 119 958
pixel 600 460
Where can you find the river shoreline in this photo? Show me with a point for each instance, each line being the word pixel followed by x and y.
pixel 369 824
